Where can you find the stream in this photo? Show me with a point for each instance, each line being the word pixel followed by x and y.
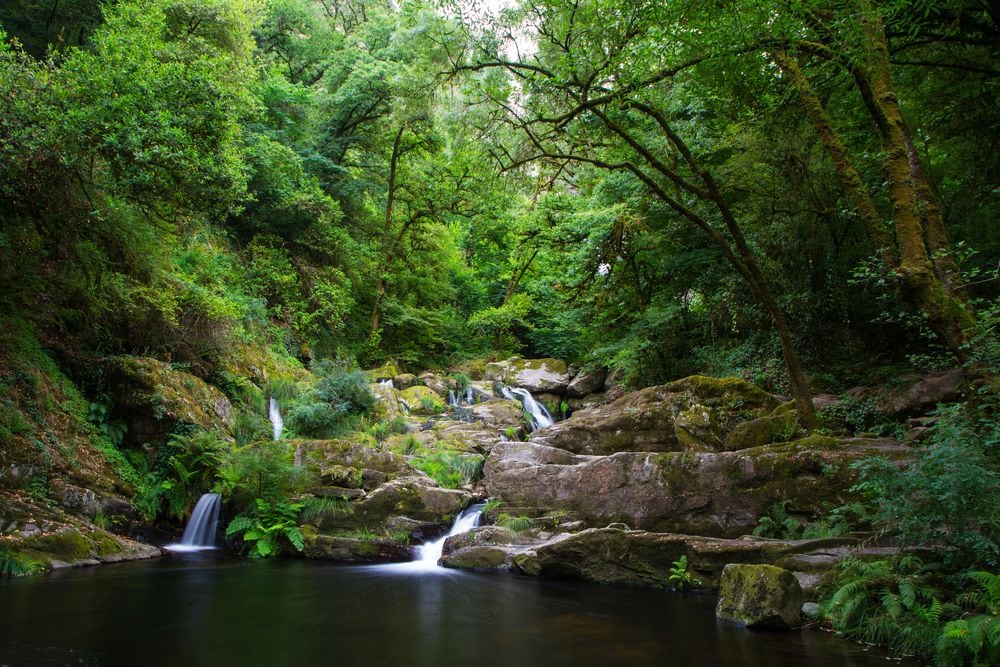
pixel 210 608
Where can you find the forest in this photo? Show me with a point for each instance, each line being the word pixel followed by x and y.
pixel 264 200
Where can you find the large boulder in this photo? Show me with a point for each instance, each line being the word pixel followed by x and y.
pixel 535 375
pixel 760 596
pixel 702 493
pixel 587 383
pixel 499 412
pixel 693 414
pixel 355 549
pixel 918 395
pixel 387 405
pixel 322 456
pixel 420 400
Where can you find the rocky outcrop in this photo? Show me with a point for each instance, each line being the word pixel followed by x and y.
pixel 760 596
pixel 640 558
pixel 535 375
pixel 153 398
pixel 387 405
pixel 702 493
pixel 694 414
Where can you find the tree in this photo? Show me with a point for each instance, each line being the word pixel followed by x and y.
pixel 603 90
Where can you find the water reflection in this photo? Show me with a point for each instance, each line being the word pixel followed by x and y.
pixel 208 609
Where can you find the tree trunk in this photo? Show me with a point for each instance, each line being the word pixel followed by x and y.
pixel 946 315
pixel 386 231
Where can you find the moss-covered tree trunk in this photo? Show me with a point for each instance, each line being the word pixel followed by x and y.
pixel 946 315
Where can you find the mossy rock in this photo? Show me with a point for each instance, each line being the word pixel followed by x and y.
pixel 776 427
pixel 760 596
pixel 387 405
pixel 480 558
pixel 153 398
pixel 355 549
pixel 420 400
pixel 384 372
pixel 347 477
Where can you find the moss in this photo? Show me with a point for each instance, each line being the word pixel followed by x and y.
pixel 729 390
pixel 422 400
pixel 759 432
pixel 759 596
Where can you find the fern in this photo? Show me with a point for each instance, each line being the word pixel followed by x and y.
pixel 681 576
pixel 269 528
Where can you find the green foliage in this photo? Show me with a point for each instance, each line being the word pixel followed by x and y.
pixel 778 524
pixel 451 470
pixel 12 565
pixel 681 576
pixel 515 524
pixel 258 471
pixel 333 404
pixel 950 493
pixel 974 640
pixel 269 530
pixel 194 464
pixel 893 604
pixel 315 510
pixel 382 429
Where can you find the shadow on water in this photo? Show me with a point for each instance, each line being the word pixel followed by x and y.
pixel 210 609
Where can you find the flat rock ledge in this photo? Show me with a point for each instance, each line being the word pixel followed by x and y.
pixel 640 558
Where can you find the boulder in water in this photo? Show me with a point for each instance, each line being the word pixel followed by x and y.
pixel 760 596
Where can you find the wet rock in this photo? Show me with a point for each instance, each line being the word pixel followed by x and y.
pixel 535 375
pixel 499 412
pixel 385 372
pixel 760 596
pixel 436 384
pixel 331 547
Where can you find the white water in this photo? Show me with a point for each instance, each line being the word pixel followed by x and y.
pixel 540 417
pixel 274 414
pixel 200 531
pixel 387 383
pixel 429 553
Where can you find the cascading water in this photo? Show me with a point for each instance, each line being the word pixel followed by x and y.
pixel 200 531
pixel 540 417
pixel 429 553
pixel 274 414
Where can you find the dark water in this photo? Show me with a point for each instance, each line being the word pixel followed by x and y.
pixel 208 609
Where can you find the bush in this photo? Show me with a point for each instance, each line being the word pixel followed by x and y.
pixel 269 529
pixel 331 407
pixel 950 493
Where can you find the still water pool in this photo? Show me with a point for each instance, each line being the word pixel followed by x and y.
pixel 210 609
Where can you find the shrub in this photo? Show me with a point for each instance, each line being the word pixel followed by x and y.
pixel 681 576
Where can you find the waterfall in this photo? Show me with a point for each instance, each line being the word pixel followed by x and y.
pixel 200 531
pixel 429 553
pixel 540 417
pixel 387 383
pixel 274 414
pixel 452 399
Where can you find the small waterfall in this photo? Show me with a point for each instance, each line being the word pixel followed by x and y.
pixel 274 414
pixel 452 399
pixel 387 383
pixel 470 398
pixel 429 553
pixel 540 417
pixel 200 531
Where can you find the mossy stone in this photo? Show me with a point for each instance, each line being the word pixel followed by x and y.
pixel 760 596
